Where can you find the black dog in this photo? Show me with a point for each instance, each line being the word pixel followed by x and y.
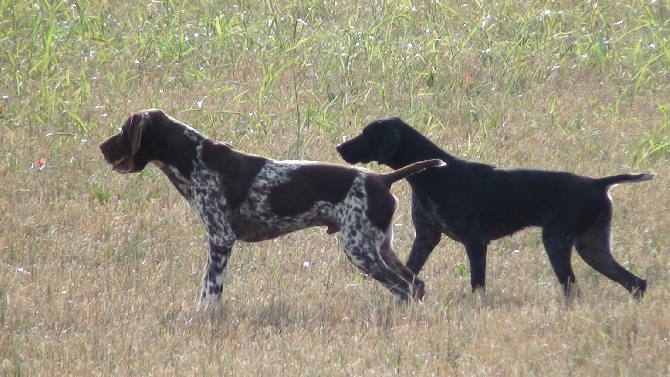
pixel 474 203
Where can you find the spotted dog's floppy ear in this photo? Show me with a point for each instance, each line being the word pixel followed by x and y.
pixel 135 130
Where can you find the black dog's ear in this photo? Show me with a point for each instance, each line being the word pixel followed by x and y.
pixel 135 129
pixel 389 145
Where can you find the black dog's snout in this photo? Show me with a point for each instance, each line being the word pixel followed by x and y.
pixel 348 153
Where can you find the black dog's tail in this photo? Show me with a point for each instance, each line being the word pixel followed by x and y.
pixel 606 182
pixel 394 176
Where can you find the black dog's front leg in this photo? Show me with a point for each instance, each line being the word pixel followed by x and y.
pixel 215 271
pixel 428 233
pixel 425 241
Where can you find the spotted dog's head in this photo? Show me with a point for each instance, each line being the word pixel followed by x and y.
pixel 379 142
pixel 130 150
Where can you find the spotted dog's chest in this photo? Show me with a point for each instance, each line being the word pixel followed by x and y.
pixel 206 195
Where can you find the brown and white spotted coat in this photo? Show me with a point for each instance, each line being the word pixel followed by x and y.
pixel 245 197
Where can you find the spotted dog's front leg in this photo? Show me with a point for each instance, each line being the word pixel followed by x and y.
pixel 209 202
pixel 215 272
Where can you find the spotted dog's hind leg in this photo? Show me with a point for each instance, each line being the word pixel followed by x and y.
pixel 363 250
pixel 391 259
pixel 215 272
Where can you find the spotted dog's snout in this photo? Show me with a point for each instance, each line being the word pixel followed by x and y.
pixel 117 152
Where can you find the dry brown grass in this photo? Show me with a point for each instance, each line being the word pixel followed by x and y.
pixel 100 272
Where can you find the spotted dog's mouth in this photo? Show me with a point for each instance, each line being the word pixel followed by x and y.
pixel 124 165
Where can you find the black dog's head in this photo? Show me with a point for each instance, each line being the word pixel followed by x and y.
pixel 129 151
pixel 379 141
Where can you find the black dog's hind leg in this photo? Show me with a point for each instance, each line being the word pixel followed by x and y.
pixel 594 247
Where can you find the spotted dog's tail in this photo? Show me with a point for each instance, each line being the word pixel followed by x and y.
pixel 606 182
pixel 394 176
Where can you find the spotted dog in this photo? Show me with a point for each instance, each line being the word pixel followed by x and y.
pixel 475 203
pixel 240 196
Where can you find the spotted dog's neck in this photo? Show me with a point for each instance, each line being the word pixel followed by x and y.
pixel 179 168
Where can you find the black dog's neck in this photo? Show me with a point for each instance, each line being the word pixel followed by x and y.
pixel 423 149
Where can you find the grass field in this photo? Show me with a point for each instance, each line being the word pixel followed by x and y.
pixel 99 272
